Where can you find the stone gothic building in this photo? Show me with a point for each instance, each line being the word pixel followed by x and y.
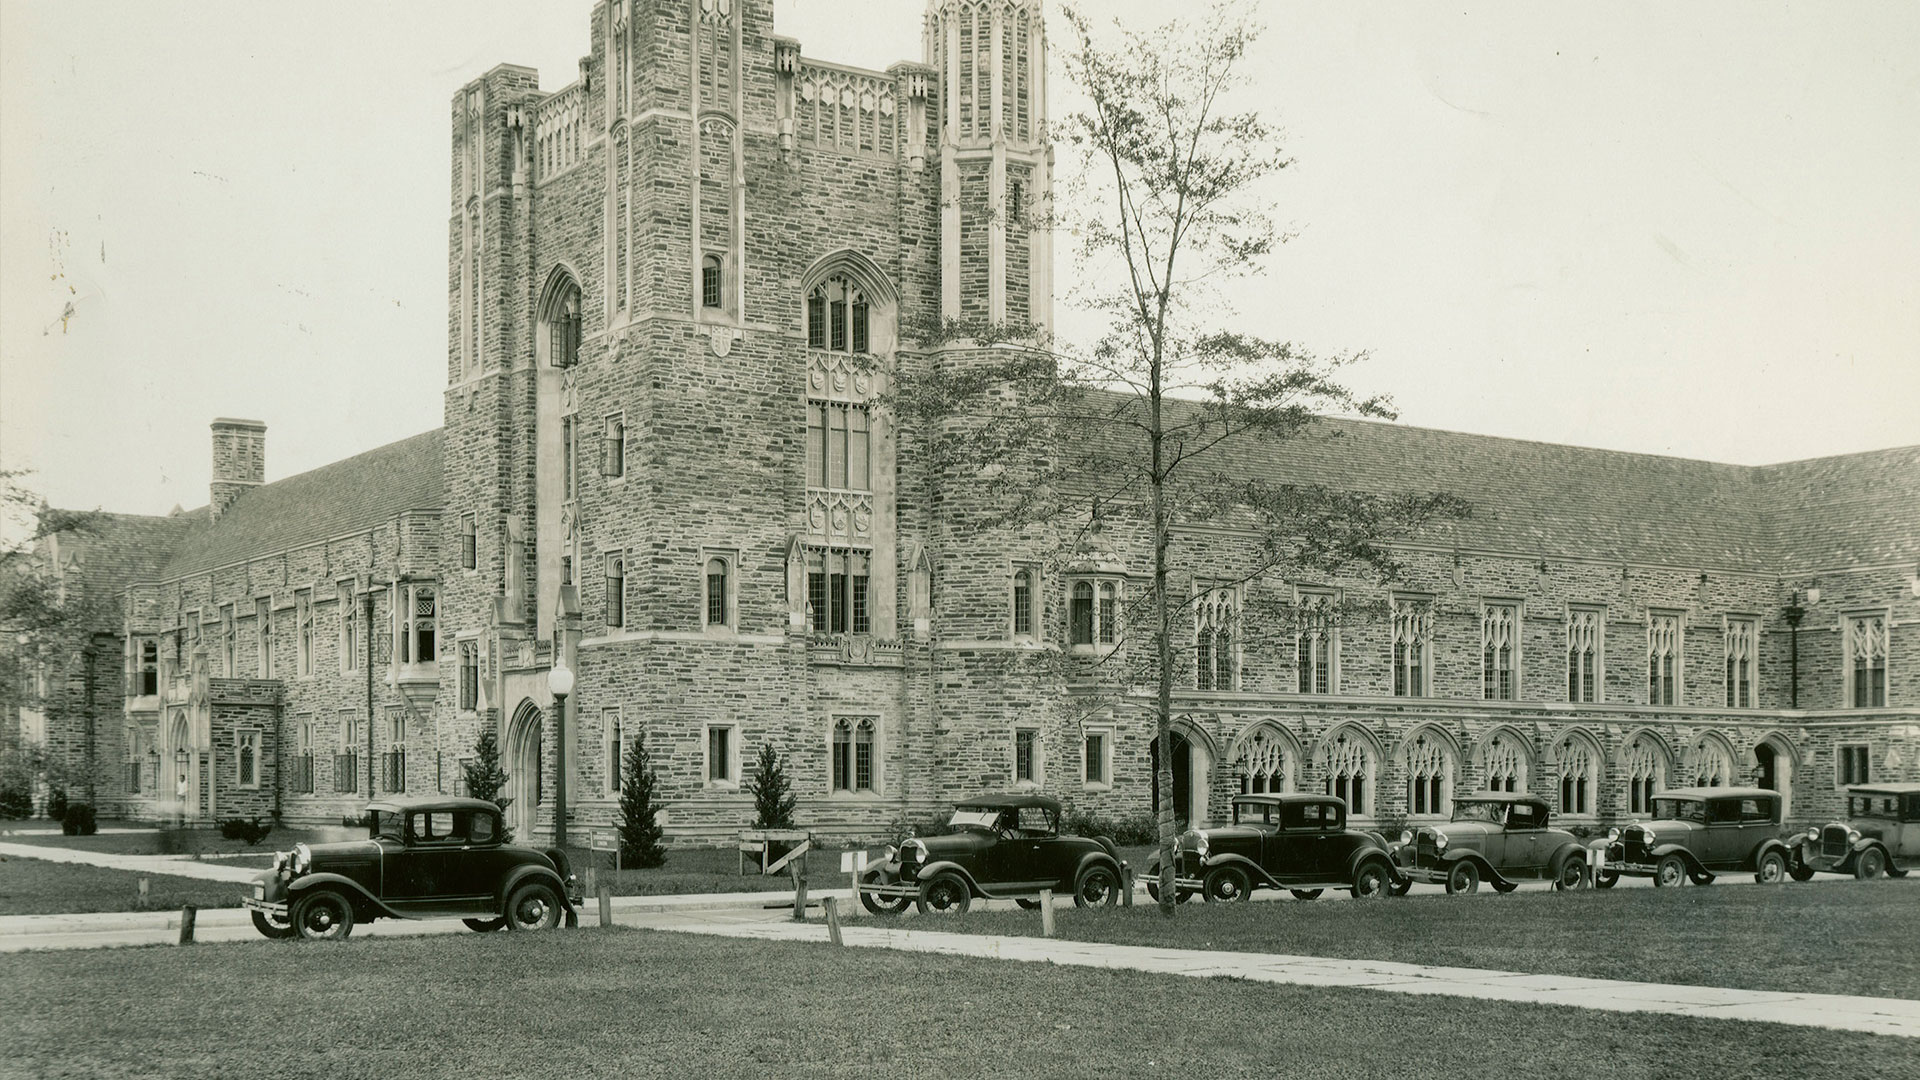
pixel 662 469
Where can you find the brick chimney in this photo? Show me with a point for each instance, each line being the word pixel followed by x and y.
pixel 239 462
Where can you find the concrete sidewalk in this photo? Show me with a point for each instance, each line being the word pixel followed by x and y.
pixel 1880 1016
pixel 176 865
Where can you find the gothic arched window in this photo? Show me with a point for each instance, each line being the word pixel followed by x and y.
pixel 710 281
pixel 1506 764
pixel 1579 770
pixel 838 317
pixel 1350 768
pixel 1429 776
pixel 560 323
pixel 1646 774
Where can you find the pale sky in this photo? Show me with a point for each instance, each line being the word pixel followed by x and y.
pixel 1679 229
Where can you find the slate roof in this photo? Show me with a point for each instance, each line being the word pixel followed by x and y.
pixel 1576 501
pixel 333 500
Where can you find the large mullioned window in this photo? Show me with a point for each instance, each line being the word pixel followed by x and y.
pixel 1584 627
pixel 838 317
pixel 1663 658
pixel 1412 646
pixel 839 446
pixel 1743 637
pixel 837 591
pixel 1866 653
pixel 1499 652
pixel 853 768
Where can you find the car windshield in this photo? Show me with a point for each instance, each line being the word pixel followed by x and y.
pixel 1480 811
pixel 384 825
pixel 1680 810
pixel 973 817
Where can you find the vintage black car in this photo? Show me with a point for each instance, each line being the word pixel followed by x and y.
pixel 1881 835
pixel 1697 831
pixel 1497 837
pixel 1296 842
pixel 427 857
pixel 1005 846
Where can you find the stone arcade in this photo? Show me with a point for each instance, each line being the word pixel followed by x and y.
pixel 660 466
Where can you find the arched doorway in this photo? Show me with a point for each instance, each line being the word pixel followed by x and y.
pixel 525 764
pixel 182 768
pixel 1773 769
pixel 1190 769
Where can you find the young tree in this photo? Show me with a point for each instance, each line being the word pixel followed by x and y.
pixel 639 828
pixel 485 777
pixel 1148 425
pixel 773 801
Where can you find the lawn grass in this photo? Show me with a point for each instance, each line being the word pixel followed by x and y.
pixel 717 870
pixel 38 887
pixel 1833 938
pixel 192 842
pixel 621 1003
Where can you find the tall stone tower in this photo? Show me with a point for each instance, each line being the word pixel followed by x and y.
pixel 996 165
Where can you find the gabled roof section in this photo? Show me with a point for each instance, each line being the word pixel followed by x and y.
pixel 334 500
pixel 1855 510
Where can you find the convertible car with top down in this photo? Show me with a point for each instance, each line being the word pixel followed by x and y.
pixel 997 846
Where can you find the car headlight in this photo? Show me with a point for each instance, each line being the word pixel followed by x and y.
pixel 302 858
pixel 1853 836
pixel 892 853
pixel 1406 836
pixel 1439 840
pixel 1813 834
pixel 913 851
pixel 1613 835
pixel 1196 842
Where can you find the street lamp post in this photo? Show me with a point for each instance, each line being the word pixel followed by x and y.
pixel 560 684
pixel 180 783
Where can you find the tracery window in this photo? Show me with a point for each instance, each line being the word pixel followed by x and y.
pixel 1646 774
pixel 1707 763
pixel 229 642
pixel 1315 642
pixel 1579 768
pixel 1584 627
pixel 1350 768
pixel 837 591
pixel 414 623
pixel 469 676
pixel 1499 651
pixel 1742 648
pixel 1214 618
pixel 838 317
pixel 263 634
pixel 853 765
pixel 1093 613
pixel 349 627
pixel 1262 767
pixel 1412 646
pixel 1866 660
pixel 1663 658
pixel 562 325
pixel 303 632
pixel 1429 776
pixel 1506 764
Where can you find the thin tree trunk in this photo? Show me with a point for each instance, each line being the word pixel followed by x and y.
pixel 1163 645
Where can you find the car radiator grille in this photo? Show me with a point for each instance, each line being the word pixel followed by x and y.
pixel 1424 851
pixel 1634 846
pixel 1833 841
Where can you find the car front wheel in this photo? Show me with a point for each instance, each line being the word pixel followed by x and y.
pixel 1606 879
pixel 484 926
pixel 1771 869
pixel 1228 885
pixel 1797 868
pixel 273 928
pixel 1573 874
pixel 881 905
pixel 1305 894
pixel 323 916
pixel 1670 872
pixel 1098 887
pixel 1871 864
pixel 533 906
pixel 944 894
pixel 1464 878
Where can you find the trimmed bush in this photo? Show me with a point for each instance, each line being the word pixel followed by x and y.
pixel 1131 831
pixel 77 820
pixel 252 831
pixel 56 804
pixel 16 800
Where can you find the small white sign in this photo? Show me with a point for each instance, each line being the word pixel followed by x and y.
pixel 605 840
pixel 1599 859
pixel 853 862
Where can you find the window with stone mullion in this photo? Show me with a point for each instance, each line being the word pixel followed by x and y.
pixel 837 595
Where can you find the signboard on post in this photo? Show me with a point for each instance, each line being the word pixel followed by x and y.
pixel 606 840
pixel 853 862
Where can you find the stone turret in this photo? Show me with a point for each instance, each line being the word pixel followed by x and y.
pixel 239 462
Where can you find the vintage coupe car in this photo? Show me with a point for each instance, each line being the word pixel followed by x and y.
pixel 1296 842
pixel 1881 835
pixel 1697 831
pixel 1497 837
pixel 1005 846
pixel 424 857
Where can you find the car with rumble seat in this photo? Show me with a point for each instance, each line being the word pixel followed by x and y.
pixel 1697 832
pixel 424 857
pixel 1297 842
pixel 1497 837
pixel 997 846
pixel 1881 835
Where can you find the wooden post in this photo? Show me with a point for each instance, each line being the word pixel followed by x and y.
pixel 798 868
pixel 1126 887
pixel 831 903
pixel 187 914
pixel 593 879
pixel 144 897
pixel 606 904
pixel 1046 912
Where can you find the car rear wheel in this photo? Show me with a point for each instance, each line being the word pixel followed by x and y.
pixel 1228 885
pixel 1870 864
pixel 484 926
pixel 944 894
pixel 1152 879
pixel 1670 872
pixel 1463 878
pixel 273 928
pixel 533 906
pixel 1305 894
pixel 1771 869
pixel 1098 887
pixel 323 916
pixel 1372 881
pixel 1606 879
pixel 881 905
pixel 1504 886
pixel 1573 874
pixel 1797 868
pixel 1401 887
